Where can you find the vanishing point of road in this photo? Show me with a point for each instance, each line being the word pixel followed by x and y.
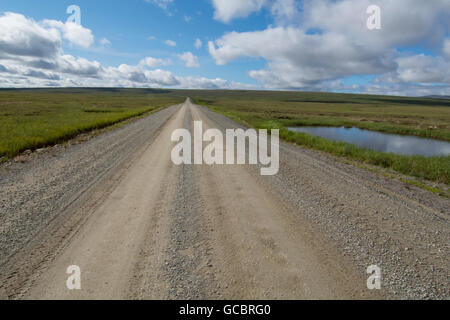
pixel 140 227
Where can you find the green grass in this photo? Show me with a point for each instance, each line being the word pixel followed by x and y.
pixel 32 119
pixel 432 168
pixel 408 116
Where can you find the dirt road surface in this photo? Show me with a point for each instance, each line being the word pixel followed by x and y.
pixel 140 227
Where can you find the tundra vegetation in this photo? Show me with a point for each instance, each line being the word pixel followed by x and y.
pixel 31 119
pixel 423 117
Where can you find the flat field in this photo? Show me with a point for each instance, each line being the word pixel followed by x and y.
pixel 428 118
pixel 31 119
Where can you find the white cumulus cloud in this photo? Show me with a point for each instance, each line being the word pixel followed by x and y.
pixel 226 10
pixel 154 62
pixel 31 55
pixel 170 43
pixel 105 42
pixel 446 48
pixel 198 43
pixel 73 32
pixel 190 60
pixel 20 36
pixel 331 41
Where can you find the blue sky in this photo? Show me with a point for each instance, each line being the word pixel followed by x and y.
pixel 321 45
pixel 129 26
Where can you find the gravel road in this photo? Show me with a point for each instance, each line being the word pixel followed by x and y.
pixel 140 227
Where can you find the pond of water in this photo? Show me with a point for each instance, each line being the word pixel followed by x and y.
pixel 384 142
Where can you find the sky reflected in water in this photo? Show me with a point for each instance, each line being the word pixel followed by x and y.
pixel 384 142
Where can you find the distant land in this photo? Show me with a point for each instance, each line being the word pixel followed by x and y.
pixel 438 97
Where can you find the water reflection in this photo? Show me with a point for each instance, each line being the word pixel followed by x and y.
pixel 384 142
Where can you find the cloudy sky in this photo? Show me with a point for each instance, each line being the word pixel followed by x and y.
pixel 314 45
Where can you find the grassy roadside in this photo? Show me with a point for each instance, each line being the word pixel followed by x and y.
pixel 434 169
pixel 32 119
